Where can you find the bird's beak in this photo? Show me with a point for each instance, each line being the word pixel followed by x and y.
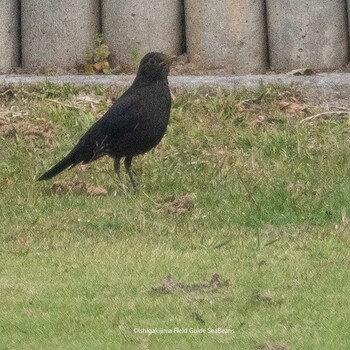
pixel 169 60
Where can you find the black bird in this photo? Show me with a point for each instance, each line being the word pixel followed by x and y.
pixel 133 125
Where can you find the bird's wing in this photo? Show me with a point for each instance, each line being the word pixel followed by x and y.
pixel 122 117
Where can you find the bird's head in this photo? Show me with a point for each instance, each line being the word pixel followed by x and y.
pixel 155 66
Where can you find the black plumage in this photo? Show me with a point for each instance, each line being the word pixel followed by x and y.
pixel 133 125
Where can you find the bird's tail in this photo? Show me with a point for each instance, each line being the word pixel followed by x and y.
pixel 60 166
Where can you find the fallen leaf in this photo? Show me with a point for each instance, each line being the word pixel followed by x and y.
pixel 301 71
pixel 96 191
pixel 240 108
pixel 291 107
pixel 97 67
pixel 258 121
pixel 248 106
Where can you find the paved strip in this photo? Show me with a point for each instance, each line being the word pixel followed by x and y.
pixel 324 89
pixel 190 82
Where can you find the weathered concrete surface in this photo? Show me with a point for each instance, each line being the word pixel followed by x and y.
pixel 321 88
pixel 229 33
pixel 132 28
pixel 9 35
pixel 348 6
pixel 58 33
pixel 307 33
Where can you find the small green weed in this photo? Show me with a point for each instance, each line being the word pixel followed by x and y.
pixel 98 57
pixel 135 56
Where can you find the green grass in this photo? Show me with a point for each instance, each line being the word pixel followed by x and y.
pixel 269 193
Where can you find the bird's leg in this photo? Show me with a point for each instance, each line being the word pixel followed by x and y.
pixel 127 163
pixel 117 167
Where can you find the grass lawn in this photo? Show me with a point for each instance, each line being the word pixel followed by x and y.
pixel 238 236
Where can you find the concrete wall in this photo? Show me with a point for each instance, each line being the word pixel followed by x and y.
pixel 231 33
pixel 308 33
pixel 133 28
pixel 57 33
pixel 9 35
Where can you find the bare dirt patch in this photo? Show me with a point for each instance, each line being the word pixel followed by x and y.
pixel 176 205
pixel 77 187
pixel 265 298
pixel 169 285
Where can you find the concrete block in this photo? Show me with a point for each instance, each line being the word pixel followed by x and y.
pixel 58 33
pixel 307 34
pixel 227 33
pixel 348 7
pixel 9 35
pixel 133 28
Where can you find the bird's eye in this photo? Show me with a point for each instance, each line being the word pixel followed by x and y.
pixel 152 61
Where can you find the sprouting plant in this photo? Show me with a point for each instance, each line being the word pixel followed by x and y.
pixel 98 57
pixel 135 56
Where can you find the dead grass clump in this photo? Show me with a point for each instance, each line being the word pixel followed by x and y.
pixel 176 205
pixel 20 125
pixel 169 285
